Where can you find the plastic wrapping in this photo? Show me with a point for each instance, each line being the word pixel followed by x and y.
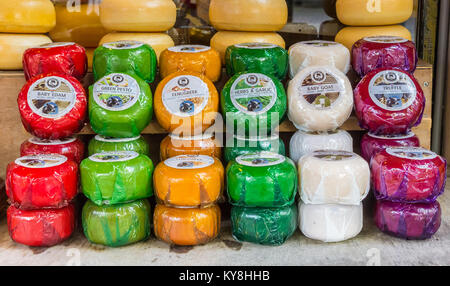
pixel 371 53
pixel 48 115
pixel 318 53
pixel 303 143
pixel 312 109
pixel 125 57
pixel 408 221
pixel 408 174
pixel 253 103
pixel 186 226
pixel 239 145
pixel 261 179
pixel 118 112
pixel 27 16
pixel 41 228
pixel 330 223
pixel 189 181
pixel 267 226
pixel 204 144
pixel 101 144
pixel 333 177
pixel 72 148
pixel 117 225
pixel 193 58
pixel 371 144
pixel 116 177
pixel 187 103
pixel 389 101
pixel 268 59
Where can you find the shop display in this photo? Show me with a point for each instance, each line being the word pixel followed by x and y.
pixel 205 144
pixel 239 145
pixel 101 144
pixel 371 144
pixel 71 147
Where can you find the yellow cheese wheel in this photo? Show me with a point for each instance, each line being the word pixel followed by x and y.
pixel 249 15
pixel 204 144
pixel 350 35
pixel 158 41
pixel 12 47
pixel 27 16
pixel 90 57
pixel 138 15
pixel 223 39
pixel 373 12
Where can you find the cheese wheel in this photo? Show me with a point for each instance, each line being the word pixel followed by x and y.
pixel 118 112
pixel 111 178
pixel 318 53
pixel 408 174
pixel 320 98
pixel 253 104
pixel 239 145
pixel 189 181
pixel 371 144
pixel 158 41
pixel 303 143
pixel 186 102
pixel 350 35
pixel 13 46
pixel 138 15
pixel 333 177
pixel 27 16
pixel 223 39
pixel 389 101
pixel 261 179
pixel 371 53
pixel 373 12
pixel 206 144
pixel 186 226
pixel 116 225
pixel 101 144
pixel 266 226
pixel 90 56
pixel 191 58
pixel 41 228
pixel 408 221
pixel 71 147
pixel 41 181
pixel 330 223
pixel 53 106
pixel 250 15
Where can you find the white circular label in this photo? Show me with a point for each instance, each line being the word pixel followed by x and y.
pixel 39 141
pixel 41 161
pixel 260 159
pixel 120 156
pixel 333 155
pixel 189 49
pixel 55 45
pixel 256 46
pixel 123 45
pixel 392 137
pixel 116 92
pixel 412 153
pixel 319 43
pixel 385 39
pixel 189 162
pixel 115 140
pixel 205 136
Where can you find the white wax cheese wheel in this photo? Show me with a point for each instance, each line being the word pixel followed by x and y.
pixel 330 223
pixel 303 143
pixel 12 47
pixel 333 177
pixel 320 98
pixel 318 53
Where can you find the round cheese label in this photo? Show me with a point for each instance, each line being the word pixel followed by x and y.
pixel 393 136
pixel 323 133
pixel 333 155
pixel 56 45
pixel 412 153
pixel 119 156
pixel 116 92
pixel 189 49
pixel 39 141
pixel 41 161
pixel 256 46
pixel 260 159
pixel 189 162
pixel 115 140
pixel 386 39
pixel 123 45
pixel 318 43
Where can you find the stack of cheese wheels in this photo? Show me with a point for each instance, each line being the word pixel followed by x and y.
pixel 187 188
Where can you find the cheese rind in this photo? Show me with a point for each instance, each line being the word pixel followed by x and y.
pixel 238 145
pixel 27 16
pixel 72 148
pixel 173 145
pixel 372 144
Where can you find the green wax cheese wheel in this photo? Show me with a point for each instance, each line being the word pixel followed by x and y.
pixel 262 179
pixel 100 144
pixel 263 58
pixel 116 225
pixel 267 226
pixel 253 103
pixel 240 145
pixel 120 105
pixel 125 57
pixel 116 177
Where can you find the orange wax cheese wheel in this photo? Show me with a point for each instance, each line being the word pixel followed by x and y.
pixel 193 58
pixel 223 39
pixel 186 103
pixel 189 181
pixel 174 145
pixel 186 226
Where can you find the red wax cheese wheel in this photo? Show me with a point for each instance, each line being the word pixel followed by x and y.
pixel 372 144
pixel 389 101
pixel 41 181
pixel 65 58
pixel 371 53
pixel 41 227
pixel 72 148
pixel 53 106
pixel 408 174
